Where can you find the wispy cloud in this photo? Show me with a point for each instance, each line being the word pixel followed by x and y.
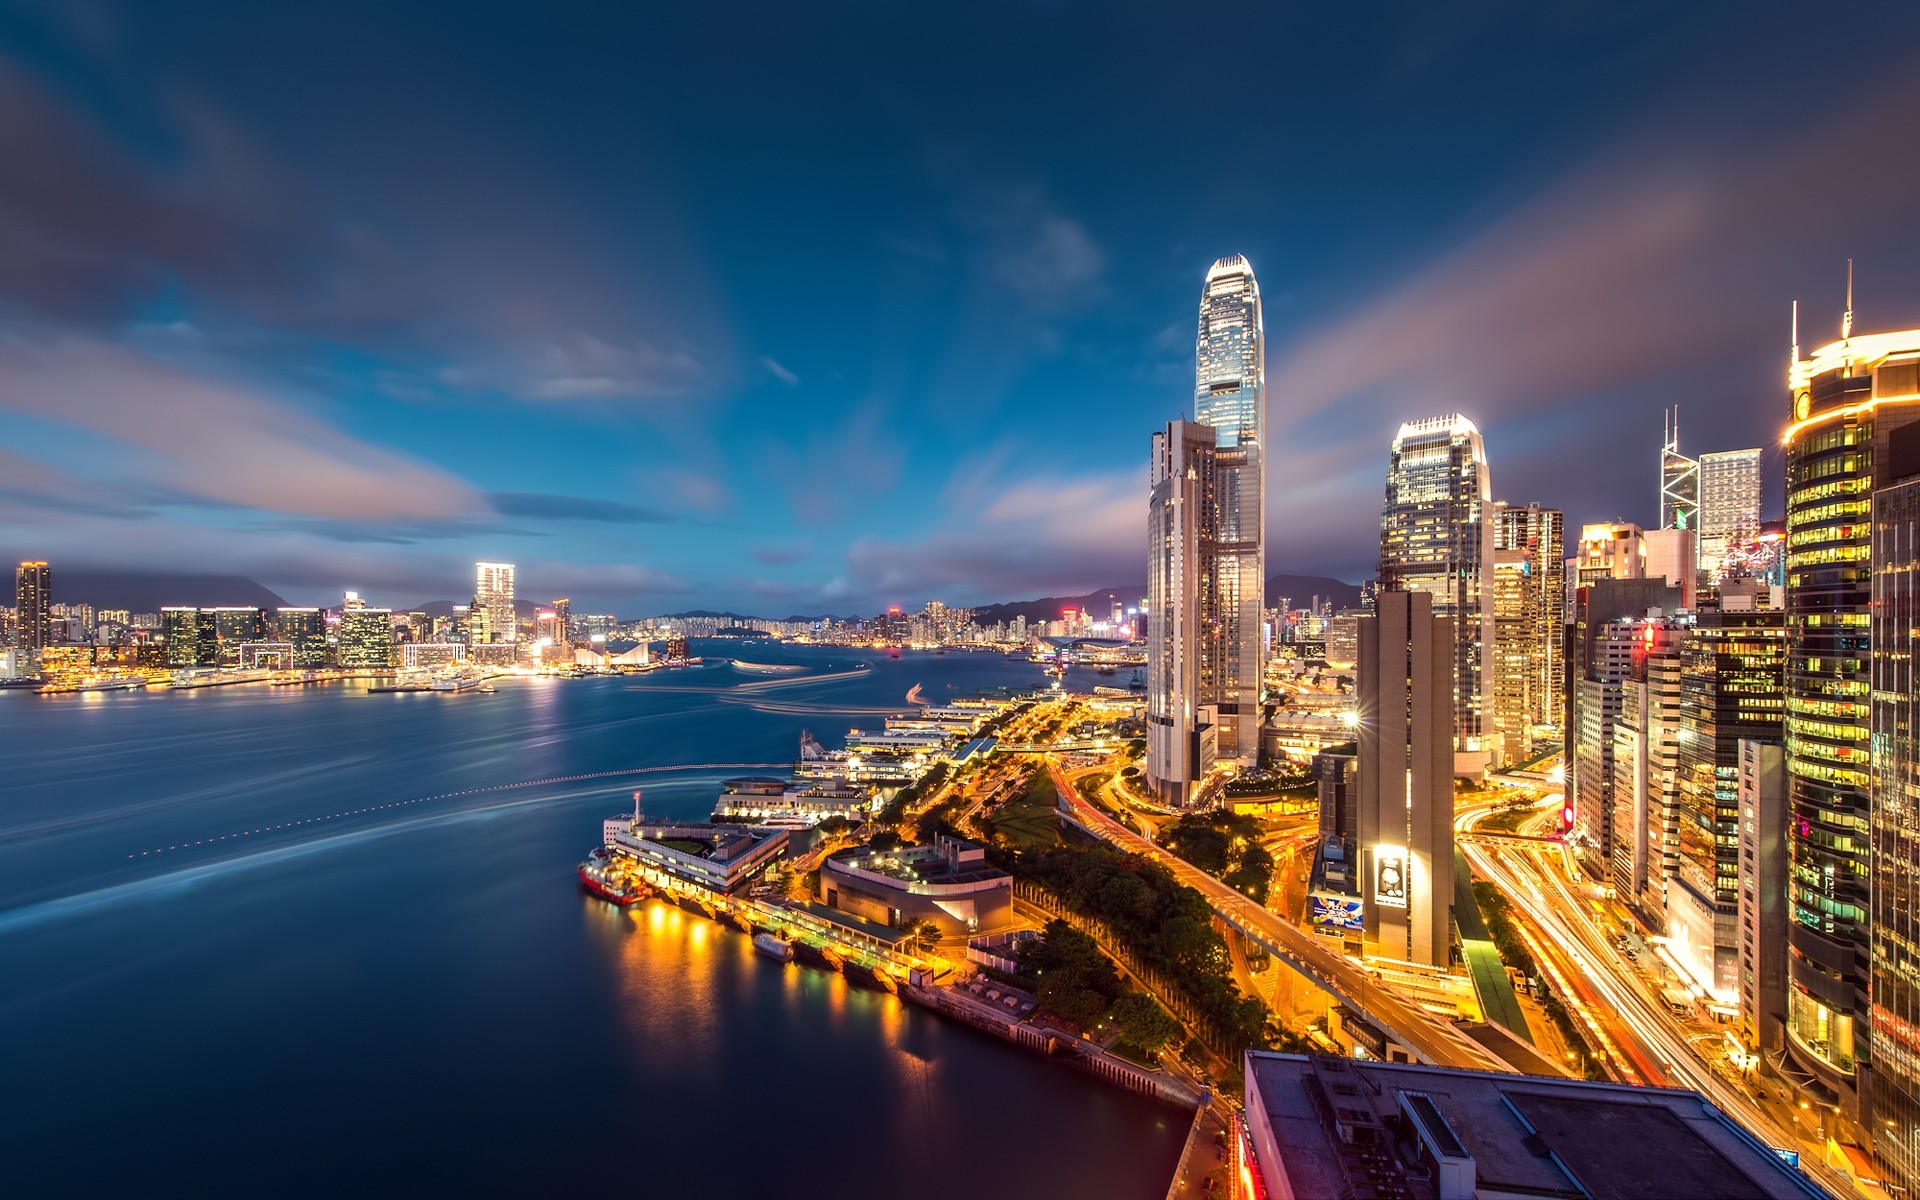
pixel 549 507
pixel 775 369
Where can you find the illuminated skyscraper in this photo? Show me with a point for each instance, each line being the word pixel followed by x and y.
pixel 33 613
pixel 305 629
pixel 1437 537
pixel 1729 504
pixel 1538 535
pixel 1679 480
pixel 494 618
pixel 1230 398
pixel 1846 402
pixel 366 638
pixel 1182 610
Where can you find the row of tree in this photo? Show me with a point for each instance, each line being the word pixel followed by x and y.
pixel 1073 980
pixel 1227 846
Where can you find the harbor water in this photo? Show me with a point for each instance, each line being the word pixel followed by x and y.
pixel 308 941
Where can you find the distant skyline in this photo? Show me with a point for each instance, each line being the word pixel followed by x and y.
pixel 884 305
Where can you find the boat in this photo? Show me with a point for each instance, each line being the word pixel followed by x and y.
pixel 893 652
pixel 773 946
pixel 487 689
pixel 598 876
pixel 819 956
pixel 860 973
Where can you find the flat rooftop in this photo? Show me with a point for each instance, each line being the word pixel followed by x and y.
pixel 1525 1135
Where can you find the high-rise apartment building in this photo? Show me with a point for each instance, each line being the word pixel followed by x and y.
pixel 1437 537
pixel 1729 505
pixel 1730 690
pixel 494 616
pixel 1846 400
pixel 1404 782
pixel 1894 772
pixel 33 607
pixel 1182 610
pixel 1230 399
pixel 1679 480
pixel 1539 533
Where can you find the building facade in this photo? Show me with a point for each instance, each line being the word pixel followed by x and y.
pixel 1437 537
pixel 33 607
pixel 494 618
pixel 1845 402
pixel 1182 610
pixel 1404 780
pixel 366 639
pixel 1762 911
pixel 1729 505
pixel 1679 480
pixel 1230 399
pixel 305 629
pixel 1540 534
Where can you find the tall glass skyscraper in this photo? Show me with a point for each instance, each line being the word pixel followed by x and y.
pixel 1846 402
pixel 33 613
pixel 1182 615
pixel 494 617
pixel 1729 504
pixel 1230 369
pixel 1437 536
pixel 1679 481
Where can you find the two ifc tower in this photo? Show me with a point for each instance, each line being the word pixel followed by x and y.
pixel 1206 612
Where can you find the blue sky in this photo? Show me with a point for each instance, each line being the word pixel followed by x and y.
pixel 821 308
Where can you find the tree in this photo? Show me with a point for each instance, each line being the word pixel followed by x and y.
pixel 885 840
pixel 924 933
pixel 1142 1022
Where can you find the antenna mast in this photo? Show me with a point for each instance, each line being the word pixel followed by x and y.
pixel 1846 321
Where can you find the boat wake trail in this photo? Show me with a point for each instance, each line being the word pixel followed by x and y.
pixel 479 791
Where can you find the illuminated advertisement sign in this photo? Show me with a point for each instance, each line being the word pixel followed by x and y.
pixel 1337 912
pixel 1390 876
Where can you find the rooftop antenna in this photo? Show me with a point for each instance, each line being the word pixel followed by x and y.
pixel 1846 321
pixel 1796 334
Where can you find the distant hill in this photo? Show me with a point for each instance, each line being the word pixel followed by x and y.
pixel 144 591
pixel 1301 589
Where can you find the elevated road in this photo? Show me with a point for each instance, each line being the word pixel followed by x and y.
pixel 1429 1038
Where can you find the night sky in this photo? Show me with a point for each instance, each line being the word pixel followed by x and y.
pixel 816 308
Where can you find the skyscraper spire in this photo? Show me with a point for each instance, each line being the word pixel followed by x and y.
pixel 1795 352
pixel 1846 319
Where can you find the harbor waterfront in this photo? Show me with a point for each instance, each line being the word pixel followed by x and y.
pixel 342 930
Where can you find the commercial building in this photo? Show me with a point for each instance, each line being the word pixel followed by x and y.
pixel 1323 1126
pixel 1405 777
pixel 1679 479
pixel 1762 911
pixel 948 883
pixel 1646 754
pixel 1846 400
pixel 192 638
pixel 493 617
pixel 791 802
pixel 1729 505
pixel 1731 671
pixel 1540 535
pixel 1436 538
pixel 305 629
pixel 1229 398
pixel 1334 772
pixel 718 858
pixel 1182 611
pixel 234 627
pixel 1894 773
pixel 1516 630
pixel 1672 555
pixel 366 639
pixel 33 607
pixel 1610 550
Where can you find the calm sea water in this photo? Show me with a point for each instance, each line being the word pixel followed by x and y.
pixel 311 941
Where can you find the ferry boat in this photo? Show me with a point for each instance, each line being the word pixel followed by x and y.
pixel 773 945
pixel 598 877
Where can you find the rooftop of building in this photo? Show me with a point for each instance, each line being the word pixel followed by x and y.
pixel 946 860
pixel 1345 1127
pixel 719 843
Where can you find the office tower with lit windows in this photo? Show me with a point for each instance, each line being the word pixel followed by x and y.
pixel 1679 480
pixel 305 629
pixel 1731 669
pixel 1515 632
pixel 1729 505
pixel 563 625
pixel 1183 619
pixel 192 637
pixel 33 607
pixel 1404 776
pixel 1610 550
pixel 1894 789
pixel 494 616
pixel 1646 754
pixel 1846 401
pixel 1539 534
pixel 366 638
pixel 1762 908
pixel 234 627
pixel 1230 399
pixel 1437 537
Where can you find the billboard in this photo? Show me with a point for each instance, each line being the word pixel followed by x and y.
pixel 1390 876
pixel 1337 912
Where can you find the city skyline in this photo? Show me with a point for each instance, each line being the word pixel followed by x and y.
pixel 610 379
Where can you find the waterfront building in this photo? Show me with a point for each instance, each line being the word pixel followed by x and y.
pixel 1679 479
pixel 416 656
pixel 1540 534
pixel 33 606
pixel 366 639
pixel 192 638
pixel 1230 367
pixel 717 858
pixel 1321 1126
pixel 948 883
pixel 1405 776
pixel 305 629
pixel 1732 665
pixel 494 617
pixel 676 648
pixel 1182 611
pixel 563 626
pixel 1846 400
pixel 791 802
pixel 1437 538
pixel 233 627
pixel 1762 912
pixel 1729 505
pixel 1894 771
